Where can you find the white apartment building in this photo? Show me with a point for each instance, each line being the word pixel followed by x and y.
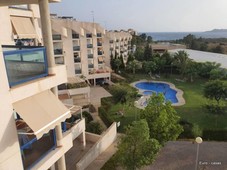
pixel 117 42
pixel 34 132
pixel 80 46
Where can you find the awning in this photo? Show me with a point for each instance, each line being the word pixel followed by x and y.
pixel 23 27
pixel 100 59
pixel 42 112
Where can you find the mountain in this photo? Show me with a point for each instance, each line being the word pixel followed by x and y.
pixel 217 30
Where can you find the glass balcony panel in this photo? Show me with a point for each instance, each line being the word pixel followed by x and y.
pixel 90 56
pixel 89 45
pixel 58 51
pixel 90 65
pixel 25 64
pixel 99 34
pixel 76 48
pixel 56 37
pixel 33 150
pixel 75 36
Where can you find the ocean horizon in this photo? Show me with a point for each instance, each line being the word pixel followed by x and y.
pixel 169 36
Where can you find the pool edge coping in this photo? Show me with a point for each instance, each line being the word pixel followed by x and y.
pixel 179 95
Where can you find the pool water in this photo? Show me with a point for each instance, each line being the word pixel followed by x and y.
pixel 150 87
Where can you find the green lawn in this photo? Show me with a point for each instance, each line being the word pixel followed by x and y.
pixel 193 111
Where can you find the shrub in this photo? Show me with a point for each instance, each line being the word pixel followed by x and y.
pixel 105 117
pixel 94 127
pixel 190 130
pixel 215 134
pixel 88 117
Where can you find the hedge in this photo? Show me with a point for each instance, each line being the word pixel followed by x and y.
pixel 214 135
pixel 105 117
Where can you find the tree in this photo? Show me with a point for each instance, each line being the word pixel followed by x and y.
pixel 149 66
pixel 204 69
pixel 181 60
pixel 133 66
pixel 112 61
pixel 117 63
pixel 94 127
pixel 130 58
pixel 136 149
pixel 215 90
pixel 147 53
pixel 162 119
pixel 149 39
pixel 192 70
pixel 189 39
pixel 139 54
pixel 122 66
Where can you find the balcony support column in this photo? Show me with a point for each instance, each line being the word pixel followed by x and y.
pixel 48 43
pixel 46 31
pixel 61 162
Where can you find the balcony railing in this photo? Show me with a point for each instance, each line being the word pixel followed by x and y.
pixel 24 64
pixel 99 34
pixel 89 35
pixel 99 43
pixel 75 36
pixel 89 45
pixel 78 71
pixel 77 59
pixel 33 150
pixel 76 48
pixel 90 56
pixel 58 51
pixel 100 53
pixel 56 37
pixel 90 65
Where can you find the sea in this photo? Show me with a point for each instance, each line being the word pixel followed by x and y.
pixel 168 36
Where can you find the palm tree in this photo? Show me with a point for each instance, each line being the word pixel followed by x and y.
pixel 181 60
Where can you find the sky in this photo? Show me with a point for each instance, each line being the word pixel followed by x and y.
pixel 148 15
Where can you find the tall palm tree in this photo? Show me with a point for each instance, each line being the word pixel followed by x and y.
pixel 181 60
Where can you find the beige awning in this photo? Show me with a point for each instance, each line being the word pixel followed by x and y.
pixel 42 112
pixel 23 27
pixel 100 59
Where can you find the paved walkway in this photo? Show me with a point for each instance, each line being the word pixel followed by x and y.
pixel 181 155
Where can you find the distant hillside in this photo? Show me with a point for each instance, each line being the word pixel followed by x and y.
pixel 217 30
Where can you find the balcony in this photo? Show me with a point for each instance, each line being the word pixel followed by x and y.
pixel 100 52
pixel 77 59
pixel 78 71
pixel 89 45
pixel 56 37
pixel 90 56
pixel 99 34
pixel 99 43
pixel 32 150
pixel 111 41
pixel 24 64
pixel 89 35
pixel 75 36
pixel 90 65
pixel 111 48
pixel 58 51
pixel 76 48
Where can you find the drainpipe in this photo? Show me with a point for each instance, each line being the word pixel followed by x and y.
pixel 48 43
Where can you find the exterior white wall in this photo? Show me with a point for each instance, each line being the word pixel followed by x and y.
pixel 9 145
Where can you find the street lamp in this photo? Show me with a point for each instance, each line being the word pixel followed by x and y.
pixel 198 140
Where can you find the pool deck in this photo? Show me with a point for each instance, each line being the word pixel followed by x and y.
pixel 139 103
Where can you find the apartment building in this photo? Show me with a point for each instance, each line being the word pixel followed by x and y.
pixel 117 43
pixel 34 133
pixel 80 46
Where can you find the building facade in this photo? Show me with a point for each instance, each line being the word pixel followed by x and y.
pixel 118 43
pixel 80 46
pixel 34 133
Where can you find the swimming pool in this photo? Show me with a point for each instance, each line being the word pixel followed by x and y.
pixel 150 87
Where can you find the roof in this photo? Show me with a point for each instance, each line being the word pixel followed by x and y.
pixel 201 56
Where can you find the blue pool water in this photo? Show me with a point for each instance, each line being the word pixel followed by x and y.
pixel 150 87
